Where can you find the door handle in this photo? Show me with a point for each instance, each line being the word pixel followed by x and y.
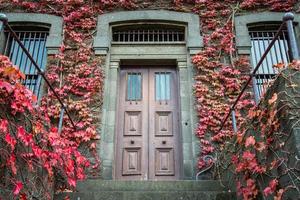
pixel 131 142
pixel 164 142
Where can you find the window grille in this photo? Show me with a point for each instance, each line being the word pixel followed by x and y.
pixel 261 36
pixel 148 34
pixel 34 39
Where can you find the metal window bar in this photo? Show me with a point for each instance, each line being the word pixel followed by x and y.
pixel 35 43
pixel 26 51
pixel 294 54
pixel 148 35
pixel 277 54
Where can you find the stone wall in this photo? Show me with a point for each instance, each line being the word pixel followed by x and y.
pixel 287 88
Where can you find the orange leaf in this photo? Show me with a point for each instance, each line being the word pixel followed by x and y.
pixel 279 65
pixel 239 137
pixel 273 99
pixel 260 146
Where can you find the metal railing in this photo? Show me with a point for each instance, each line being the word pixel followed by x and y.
pixel 32 62
pixel 293 54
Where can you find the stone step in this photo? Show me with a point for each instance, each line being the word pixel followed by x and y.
pixel 94 189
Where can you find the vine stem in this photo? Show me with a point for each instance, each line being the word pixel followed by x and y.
pixel 289 171
pixel 234 10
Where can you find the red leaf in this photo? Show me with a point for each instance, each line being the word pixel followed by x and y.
pixel 18 187
pixel 250 141
pixel 72 182
pixel 273 184
pixel 23 196
pixel 67 198
pixel 3 125
pixel 6 86
pixel 267 191
pixel 25 138
pixel 37 151
pixel 21 132
pixel 11 141
pixel 12 163
pixel 271 188
pixel 248 155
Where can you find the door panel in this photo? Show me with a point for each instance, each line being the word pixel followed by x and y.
pixel 163 124
pixel 132 125
pixel 147 124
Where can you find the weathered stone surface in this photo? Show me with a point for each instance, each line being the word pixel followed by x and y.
pixel 149 190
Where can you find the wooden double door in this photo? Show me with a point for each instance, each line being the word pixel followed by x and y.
pixel 147 131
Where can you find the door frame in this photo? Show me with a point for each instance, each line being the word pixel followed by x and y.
pixel 112 56
pixel 189 142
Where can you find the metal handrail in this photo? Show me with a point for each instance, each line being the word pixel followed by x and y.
pixel 288 21
pixel 4 23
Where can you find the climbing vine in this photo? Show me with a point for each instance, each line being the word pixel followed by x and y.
pixel 77 76
pixel 261 154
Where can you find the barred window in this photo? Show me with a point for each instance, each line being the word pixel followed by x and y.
pixel 34 39
pixel 261 36
pixel 148 33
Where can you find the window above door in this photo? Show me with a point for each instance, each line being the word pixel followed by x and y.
pixel 146 27
pixel 146 32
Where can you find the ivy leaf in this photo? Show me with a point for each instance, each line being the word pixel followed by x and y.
pixel 3 125
pixel 11 141
pixel 279 65
pixel 239 137
pixel 250 141
pixel 18 187
pixel 271 188
pixel 260 146
pixel 267 191
pixel 247 155
pixel 273 99
pixel 12 163
pixel 279 194
pixel 72 182
pixel 23 196
pixel 6 86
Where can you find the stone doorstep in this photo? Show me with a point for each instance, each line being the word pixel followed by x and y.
pixel 181 185
pixel 95 189
pixel 146 195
